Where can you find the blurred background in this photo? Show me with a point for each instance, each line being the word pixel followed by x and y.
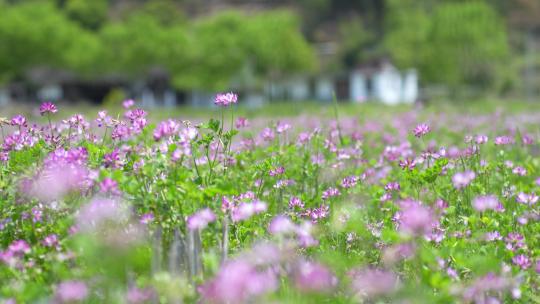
pixel 165 53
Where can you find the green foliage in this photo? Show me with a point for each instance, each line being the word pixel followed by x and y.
pixel 455 43
pixel 37 34
pixel 90 14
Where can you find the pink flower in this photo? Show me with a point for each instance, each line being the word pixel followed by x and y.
pixel 241 122
pixel 421 130
pixel 237 282
pixel 201 219
pixel 462 179
pixel 71 291
pixel 485 202
pixel 128 103
pixel 246 210
pixel 529 199
pixel 370 283
pixel 47 107
pixel 522 261
pixel 313 277
pixel 416 218
pixel 225 99
pixel 18 120
pixel 503 140
pixel 281 225
pixel 295 202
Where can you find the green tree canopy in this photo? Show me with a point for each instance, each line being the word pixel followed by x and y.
pixel 38 34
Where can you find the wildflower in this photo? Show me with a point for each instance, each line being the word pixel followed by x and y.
pixel 241 122
pixel 146 218
pixel 313 277
pixel 485 202
pixel 50 240
pixel 225 99
pixel 421 130
pixel 370 283
pixel 201 219
pixel 493 236
pixel 237 282
pixel 529 199
pixel 407 163
pixel 18 120
pixel 112 160
pixel 267 134
pixel 481 139
pixel 109 185
pixel 71 291
pixel 330 192
pixel 128 103
pixel 518 170
pixel 282 127
pixel 415 218
pixel 462 179
pixel 522 261
pixel 47 107
pixel 295 202
pixel 276 171
pixel 349 182
pixel 392 186
pixel 281 225
pixel 139 296
pixel 247 210
pixel 503 140
pixel 527 140
pixel 19 247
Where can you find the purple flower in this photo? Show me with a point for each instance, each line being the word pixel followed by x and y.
pixel 241 122
pixel 392 186
pixel 349 182
pixel 313 277
pixel 246 210
pixel 19 247
pixel 416 218
pixel 485 202
pixel 237 282
pixel 330 192
pixel 276 171
pixel 166 129
pixel 112 160
pixel 201 219
pixel 18 120
pixel 519 171
pixel 71 291
pixel 128 103
pixel 529 199
pixel 50 241
pixel 295 202
pixel 139 296
pixel 481 139
pixel 522 261
pixel 370 283
pixel 462 179
pixel 109 185
pixel 503 140
pixel 47 107
pixel 267 134
pixel 146 218
pixel 225 99
pixel 281 225
pixel 421 130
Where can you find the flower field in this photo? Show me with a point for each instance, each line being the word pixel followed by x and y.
pixel 414 207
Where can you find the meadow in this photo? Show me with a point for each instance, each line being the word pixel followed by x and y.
pixel 290 203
